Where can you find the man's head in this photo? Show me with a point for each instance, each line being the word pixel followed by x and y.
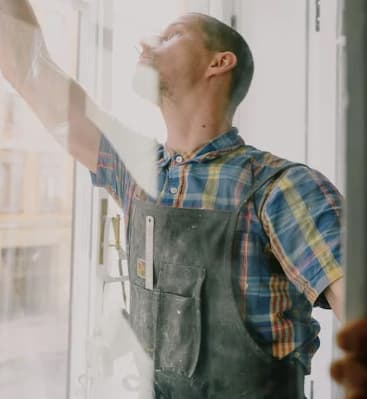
pixel 193 50
pixel 220 37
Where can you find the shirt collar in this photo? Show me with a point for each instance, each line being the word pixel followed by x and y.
pixel 211 150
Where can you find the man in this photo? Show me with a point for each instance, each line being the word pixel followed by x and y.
pixel 228 261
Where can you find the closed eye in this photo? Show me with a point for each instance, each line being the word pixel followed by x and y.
pixel 170 36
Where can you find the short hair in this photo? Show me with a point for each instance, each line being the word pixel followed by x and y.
pixel 221 37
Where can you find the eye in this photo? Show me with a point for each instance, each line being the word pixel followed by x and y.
pixel 170 36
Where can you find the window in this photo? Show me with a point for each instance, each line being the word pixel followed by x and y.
pixel 36 186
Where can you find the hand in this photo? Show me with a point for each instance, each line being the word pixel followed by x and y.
pixel 351 371
pixel 19 9
pixel 21 41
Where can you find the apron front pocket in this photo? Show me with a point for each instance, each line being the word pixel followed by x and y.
pixel 167 320
pixel 143 316
pixel 178 334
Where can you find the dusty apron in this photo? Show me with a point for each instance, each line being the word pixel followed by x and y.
pixel 184 313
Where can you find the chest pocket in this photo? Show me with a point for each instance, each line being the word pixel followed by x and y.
pixel 167 319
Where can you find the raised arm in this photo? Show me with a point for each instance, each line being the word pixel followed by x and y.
pixel 58 101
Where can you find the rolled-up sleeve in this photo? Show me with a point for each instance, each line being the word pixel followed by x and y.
pixel 302 218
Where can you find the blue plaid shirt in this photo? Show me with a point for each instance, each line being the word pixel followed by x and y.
pixel 293 223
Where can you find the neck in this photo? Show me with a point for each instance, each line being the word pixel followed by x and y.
pixel 191 124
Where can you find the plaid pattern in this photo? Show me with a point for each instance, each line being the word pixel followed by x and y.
pixel 287 249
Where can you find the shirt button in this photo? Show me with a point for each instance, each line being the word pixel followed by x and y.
pixel 179 159
pixel 173 190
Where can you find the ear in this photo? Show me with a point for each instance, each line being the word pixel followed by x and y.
pixel 222 62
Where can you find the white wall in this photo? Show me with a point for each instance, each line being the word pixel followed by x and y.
pixel 291 109
pixel 273 117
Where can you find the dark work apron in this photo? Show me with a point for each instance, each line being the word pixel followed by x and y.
pixel 184 313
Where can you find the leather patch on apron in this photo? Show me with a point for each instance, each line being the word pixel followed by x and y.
pixel 140 268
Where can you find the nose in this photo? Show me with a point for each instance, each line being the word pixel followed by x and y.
pixel 149 42
pixel 144 51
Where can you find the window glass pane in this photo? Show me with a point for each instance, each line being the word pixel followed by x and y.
pixel 195 276
pixel 36 177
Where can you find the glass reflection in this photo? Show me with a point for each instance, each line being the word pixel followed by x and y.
pixel 35 239
pixel 220 294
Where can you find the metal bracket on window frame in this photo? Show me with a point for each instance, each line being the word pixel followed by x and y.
pixel 317 15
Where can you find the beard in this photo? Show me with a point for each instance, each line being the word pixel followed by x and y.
pixel 147 83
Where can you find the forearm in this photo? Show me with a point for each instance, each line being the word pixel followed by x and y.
pixel 335 296
pixel 21 39
pixel 61 105
pixel 57 100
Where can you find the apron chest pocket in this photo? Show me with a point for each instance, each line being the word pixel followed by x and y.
pixel 167 320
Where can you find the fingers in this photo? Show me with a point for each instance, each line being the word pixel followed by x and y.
pixel 353 337
pixel 355 396
pixel 351 372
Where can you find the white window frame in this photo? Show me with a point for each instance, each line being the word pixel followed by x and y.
pixel 87 200
pixel 86 204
